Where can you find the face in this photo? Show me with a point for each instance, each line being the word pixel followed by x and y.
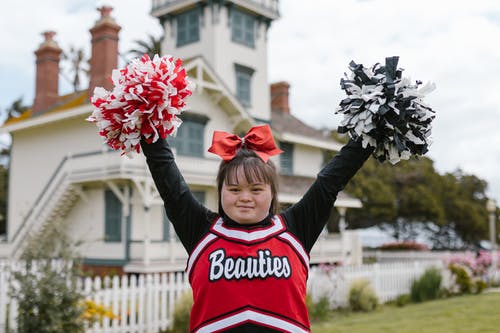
pixel 244 202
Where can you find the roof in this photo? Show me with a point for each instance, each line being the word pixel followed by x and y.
pixel 282 122
pixel 78 103
pixel 287 127
pixel 65 103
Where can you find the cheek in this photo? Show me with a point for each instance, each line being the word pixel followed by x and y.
pixel 267 200
pixel 225 199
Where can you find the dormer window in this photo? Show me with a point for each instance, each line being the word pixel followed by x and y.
pixel 188 27
pixel 242 28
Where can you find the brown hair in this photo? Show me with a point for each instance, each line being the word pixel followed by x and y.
pixel 254 169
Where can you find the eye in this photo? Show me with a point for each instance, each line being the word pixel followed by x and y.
pixel 234 189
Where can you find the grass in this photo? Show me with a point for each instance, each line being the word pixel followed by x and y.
pixel 463 314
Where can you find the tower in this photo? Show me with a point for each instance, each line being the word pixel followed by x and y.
pixel 231 36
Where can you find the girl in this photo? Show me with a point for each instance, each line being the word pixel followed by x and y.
pixel 248 265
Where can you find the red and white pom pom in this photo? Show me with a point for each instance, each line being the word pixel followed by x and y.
pixel 147 97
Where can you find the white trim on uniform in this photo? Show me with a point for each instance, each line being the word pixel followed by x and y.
pixel 197 250
pixel 251 316
pixel 277 226
pixel 297 245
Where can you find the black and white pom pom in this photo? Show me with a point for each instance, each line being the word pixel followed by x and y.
pixel 386 111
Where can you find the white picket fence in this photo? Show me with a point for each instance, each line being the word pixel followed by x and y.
pixel 142 304
pixel 145 303
pixel 388 280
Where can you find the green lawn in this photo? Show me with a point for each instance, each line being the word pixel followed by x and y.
pixel 463 314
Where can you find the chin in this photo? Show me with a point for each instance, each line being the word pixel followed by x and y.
pixel 243 220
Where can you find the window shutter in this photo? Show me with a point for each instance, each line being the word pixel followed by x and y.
pixel 286 158
pixel 113 217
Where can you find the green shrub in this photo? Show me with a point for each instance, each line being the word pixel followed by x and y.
pixel 427 287
pixel 48 300
pixel 182 312
pixel 362 297
pixel 479 286
pixel 402 300
pixel 318 311
pixel 462 278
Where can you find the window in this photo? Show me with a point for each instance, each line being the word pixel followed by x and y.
pixel 188 27
pixel 244 84
pixel 200 196
pixel 189 139
pixel 168 228
pixel 286 158
pixel 242 28
pixel 113 217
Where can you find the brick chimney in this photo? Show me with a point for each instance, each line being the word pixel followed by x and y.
pixel 104 56
pixel 47 72
pixel 279 97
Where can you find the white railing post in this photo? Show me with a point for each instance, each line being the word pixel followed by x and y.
pixel 4 296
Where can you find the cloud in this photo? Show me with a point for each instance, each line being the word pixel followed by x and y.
pixel 453 43
pixel 448 42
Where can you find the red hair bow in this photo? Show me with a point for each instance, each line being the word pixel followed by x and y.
pixel 259 139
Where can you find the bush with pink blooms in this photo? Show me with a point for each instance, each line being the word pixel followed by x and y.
pixel 479 263
pixel 471 270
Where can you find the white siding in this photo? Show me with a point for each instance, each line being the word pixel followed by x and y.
pixel 307 161
pixel 86 225
pixel 36 153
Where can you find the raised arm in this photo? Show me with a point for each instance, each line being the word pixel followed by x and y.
pixel 189 217
pixel 307 217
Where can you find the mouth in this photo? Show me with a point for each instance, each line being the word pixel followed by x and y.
pixel 244 207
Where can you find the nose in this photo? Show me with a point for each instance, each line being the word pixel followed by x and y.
pixel 245 196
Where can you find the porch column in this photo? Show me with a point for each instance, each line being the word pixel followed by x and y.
pixel 342 227
pixel 148 194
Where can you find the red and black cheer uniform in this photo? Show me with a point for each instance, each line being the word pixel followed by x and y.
pixel 250 278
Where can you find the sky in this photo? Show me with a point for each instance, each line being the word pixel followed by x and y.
pixel 451 43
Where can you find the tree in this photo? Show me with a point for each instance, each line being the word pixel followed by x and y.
pixel 402 197
pixel 16 109
pixel 151 47
pixel 47 294
pixel 411 195
pixel 78 65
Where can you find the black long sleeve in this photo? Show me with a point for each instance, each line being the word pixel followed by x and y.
pixel 307 218
pixel 189 217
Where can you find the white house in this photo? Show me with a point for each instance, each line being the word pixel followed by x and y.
pixel 60 169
